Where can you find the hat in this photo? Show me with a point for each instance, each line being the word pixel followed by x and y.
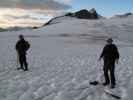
pixel 109 40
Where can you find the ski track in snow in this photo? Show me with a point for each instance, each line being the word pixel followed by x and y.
pixel 60 68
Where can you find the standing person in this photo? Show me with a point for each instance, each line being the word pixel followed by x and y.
pixel 21 47
pixel 110 55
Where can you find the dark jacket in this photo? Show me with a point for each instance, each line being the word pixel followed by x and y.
pixel 22 46
pixel 110 53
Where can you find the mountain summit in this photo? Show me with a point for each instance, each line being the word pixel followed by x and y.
pixel 84 14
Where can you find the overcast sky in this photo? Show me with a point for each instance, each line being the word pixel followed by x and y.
pixel 30 12
pixel 37 12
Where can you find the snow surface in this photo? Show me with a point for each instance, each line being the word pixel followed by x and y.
pixel 63 59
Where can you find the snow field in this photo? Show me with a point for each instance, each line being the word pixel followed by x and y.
pixel 61 67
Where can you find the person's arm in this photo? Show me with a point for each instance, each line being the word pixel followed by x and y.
pixel 27 45
pixel 117 55
pixel 16 46
pixel 102 54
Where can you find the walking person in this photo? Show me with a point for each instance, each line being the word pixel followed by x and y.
pixel 22 47
pixel 110 55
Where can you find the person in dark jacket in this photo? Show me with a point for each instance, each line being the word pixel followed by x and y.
pixel 110 55
pixel 21 47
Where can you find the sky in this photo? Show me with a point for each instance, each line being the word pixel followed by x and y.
pixel 37 12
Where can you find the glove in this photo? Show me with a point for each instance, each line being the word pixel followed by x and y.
pixel 117 61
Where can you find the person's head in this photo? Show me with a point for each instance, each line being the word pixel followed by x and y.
pixel 21 37
pixel 109 40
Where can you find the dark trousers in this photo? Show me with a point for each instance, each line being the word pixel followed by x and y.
pixel 23 62
pixel 109 72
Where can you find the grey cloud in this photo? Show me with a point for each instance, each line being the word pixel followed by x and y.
pixel 50 12
pixel 34 4
pixel 23 17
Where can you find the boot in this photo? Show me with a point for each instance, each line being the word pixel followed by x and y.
pixel 112 86
pixel 105 83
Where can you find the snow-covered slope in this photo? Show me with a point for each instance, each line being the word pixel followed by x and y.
pixel 63 60
pixel 123 15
